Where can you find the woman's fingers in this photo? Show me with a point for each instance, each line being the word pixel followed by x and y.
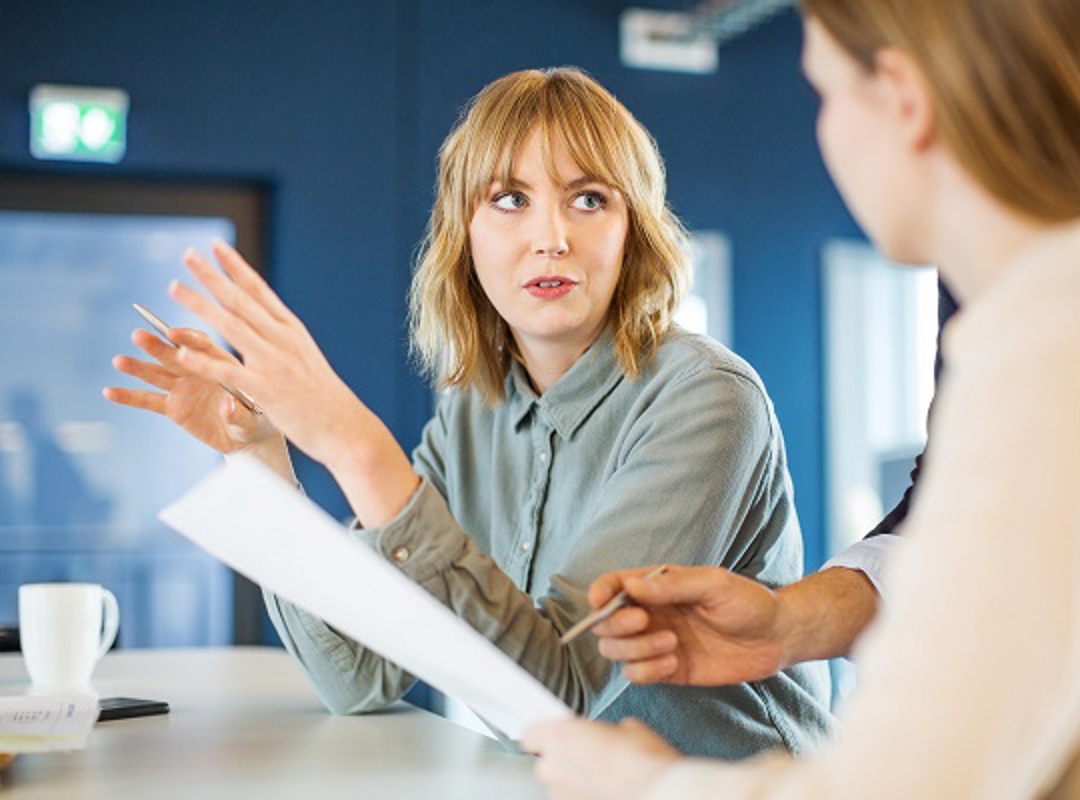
pixel 198 340
pixel 211 367
pixel 148 401
pixel 168 354
pixel 146 372
pixel 230 296
pixel 153 346
pixel 245 276
pixel 232 328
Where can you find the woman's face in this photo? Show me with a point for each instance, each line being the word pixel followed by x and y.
pixel 863 143
pixel 548 253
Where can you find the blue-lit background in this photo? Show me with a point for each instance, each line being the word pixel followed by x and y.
pixel 82 480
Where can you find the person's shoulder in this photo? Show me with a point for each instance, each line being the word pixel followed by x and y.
pixel 1032 308
pixel 695 372
pixel 700 381
pixel 683 354
pixel 465 408
pixel 457 402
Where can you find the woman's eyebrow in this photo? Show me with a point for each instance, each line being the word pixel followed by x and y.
pixel 516 183
pixel 577 183
pixel 511 183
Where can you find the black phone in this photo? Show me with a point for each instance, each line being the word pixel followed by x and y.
pixel 126 707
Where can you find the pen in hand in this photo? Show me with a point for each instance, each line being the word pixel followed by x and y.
pixel 596 616
pixel 159 325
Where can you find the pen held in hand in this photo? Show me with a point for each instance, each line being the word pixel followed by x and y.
pixel 159 325
pixel 595 617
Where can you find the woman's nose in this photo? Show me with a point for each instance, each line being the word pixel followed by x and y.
pixel 549 236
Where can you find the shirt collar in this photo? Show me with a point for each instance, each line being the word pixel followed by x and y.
pixel 575 395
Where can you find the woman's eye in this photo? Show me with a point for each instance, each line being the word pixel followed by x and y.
pixel 509 201
pixel 589 201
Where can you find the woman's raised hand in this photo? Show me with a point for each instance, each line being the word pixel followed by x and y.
pixel 282 368
pixel 199 406
pixel 285 373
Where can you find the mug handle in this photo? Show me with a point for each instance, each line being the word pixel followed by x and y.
pixel 110 622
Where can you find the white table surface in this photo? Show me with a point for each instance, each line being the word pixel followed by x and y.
pixel 246 723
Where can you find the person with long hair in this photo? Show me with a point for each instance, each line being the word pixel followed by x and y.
pixel 579 429
pixel 952 130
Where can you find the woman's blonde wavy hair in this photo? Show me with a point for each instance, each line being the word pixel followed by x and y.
pixel 1004 77
pixel 457 334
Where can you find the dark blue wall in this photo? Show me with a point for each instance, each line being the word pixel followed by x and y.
pixel 340 107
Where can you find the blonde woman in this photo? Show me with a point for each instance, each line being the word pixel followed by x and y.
pixel 952 129
pixel 580 430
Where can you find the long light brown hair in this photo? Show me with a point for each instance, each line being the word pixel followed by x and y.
pixel 1004 76
pixel 457 334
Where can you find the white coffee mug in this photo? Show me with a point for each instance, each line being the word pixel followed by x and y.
pixel 65 629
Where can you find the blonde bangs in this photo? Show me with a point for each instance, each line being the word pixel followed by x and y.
pixel 561 113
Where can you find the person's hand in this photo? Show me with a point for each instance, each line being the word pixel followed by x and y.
pixel 581 759
pixel 199 406
pixel 699 626
pixel 286 374
pixel 282 368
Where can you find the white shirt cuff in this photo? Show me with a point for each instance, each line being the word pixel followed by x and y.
pixel 868 556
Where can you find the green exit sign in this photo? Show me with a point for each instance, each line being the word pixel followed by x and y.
pixel 78 123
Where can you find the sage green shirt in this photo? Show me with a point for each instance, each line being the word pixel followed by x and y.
pixel 523 505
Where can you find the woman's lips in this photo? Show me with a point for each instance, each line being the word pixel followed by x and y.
pixel 550 287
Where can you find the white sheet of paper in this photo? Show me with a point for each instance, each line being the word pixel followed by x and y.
pixel 248 517
pixel 39 723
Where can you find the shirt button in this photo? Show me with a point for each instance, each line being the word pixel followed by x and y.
pixel 400 554
pixel 543 458
pixel 525 547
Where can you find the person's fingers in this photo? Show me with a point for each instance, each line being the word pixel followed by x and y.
pixel 202 342
pixel 236 415
pixel 237 332
pixel 558 779
pixel 629 621
pixel 195 339
pixel 210 367
pixel 230 296
pixel 610 584
pixel 539 737
pixel 228 410
pixel 245 276
pixel 678 585
pixel 154 347
pixel 153 374
pixel 148 401
pixel 639 648
pixel 543 737
pixel 656 670
pixel 542 769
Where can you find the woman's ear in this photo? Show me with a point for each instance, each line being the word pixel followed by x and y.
pixel 911 99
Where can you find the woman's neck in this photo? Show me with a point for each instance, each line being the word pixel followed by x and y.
pixel 547 362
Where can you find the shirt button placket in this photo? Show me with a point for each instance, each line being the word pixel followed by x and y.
pixel 538 490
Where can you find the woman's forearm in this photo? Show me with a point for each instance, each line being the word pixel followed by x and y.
pixel 373 471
